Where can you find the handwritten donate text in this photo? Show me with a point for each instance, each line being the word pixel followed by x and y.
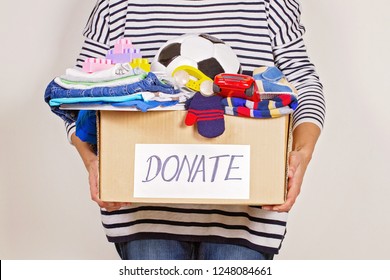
pixel 198 168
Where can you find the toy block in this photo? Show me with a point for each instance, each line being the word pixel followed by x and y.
pixel 142 63
pixel 121 45
pixel 125 57
pixel 91 65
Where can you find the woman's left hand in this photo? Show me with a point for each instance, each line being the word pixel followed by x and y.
pixel 296 171
pixel 305 137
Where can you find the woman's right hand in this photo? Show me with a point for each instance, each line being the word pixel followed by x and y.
pixel 93 177
pixel 91 161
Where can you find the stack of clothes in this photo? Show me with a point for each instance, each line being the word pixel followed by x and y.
pixel 119 86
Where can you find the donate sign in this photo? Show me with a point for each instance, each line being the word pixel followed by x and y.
pixel 192 171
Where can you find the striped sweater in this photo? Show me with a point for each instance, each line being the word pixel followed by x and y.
pixel 261 32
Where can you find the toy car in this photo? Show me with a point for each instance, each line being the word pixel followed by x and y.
pixel 236 85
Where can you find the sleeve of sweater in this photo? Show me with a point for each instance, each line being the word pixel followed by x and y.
pixel 96 42
pixel 291 57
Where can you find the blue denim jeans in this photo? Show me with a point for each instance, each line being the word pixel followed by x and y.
pixel 161 249
pixel 149 83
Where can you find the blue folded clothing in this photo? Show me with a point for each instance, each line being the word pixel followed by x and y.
pixel 86 126
pixel 56 95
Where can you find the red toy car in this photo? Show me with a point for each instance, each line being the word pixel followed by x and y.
pixel 236 85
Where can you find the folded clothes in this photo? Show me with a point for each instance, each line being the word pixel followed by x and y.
pixel 99 99
pixel 142 96
pixel 120 81
pixel 280 105
pixel 143 105
pixel 278 101
pixel 55 91
pixel 86 128
pixel 182 97
pixel 149 83
pixel 117 71
pixel 258 114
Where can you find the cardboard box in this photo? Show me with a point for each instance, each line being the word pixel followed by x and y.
pixel 245 165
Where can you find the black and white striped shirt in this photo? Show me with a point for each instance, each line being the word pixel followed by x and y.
pixel 261 32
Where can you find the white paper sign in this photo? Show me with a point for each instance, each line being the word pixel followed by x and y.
pixel 192 171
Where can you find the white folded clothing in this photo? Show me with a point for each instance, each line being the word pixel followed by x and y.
pixel 120 81
pixel 117 71
pixel 161 97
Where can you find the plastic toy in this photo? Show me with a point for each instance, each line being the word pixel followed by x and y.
pixel 126 56
pixel 236 85
pixel 123 44
pixel 142 63
pixel 123 52
pixel 91 65
pixel 194 78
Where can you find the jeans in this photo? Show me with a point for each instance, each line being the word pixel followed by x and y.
pixel 161 249
pixel 150 83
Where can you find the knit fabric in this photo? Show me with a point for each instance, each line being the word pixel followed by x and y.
pixel 207 113
pixel 280 105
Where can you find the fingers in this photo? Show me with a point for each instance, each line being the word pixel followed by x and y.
pixel 285 207
pixel 295 179
pixel 113 206
pixel 292 196
pixel 94 191
pixel 293 190
pixel 268 207
pixel 109 206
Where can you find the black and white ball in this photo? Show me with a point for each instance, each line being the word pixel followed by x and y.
pixel 208 54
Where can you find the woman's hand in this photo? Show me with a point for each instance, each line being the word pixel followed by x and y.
pixel 93 177
pixel 304 140
pixel 91 164
pixel 296 171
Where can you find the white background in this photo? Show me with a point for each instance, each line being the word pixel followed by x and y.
pixel 342 213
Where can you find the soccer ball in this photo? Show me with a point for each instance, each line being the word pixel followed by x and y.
pixel 208 54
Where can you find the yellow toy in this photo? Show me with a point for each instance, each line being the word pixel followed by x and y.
pixel 194 77
pixel 142 63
